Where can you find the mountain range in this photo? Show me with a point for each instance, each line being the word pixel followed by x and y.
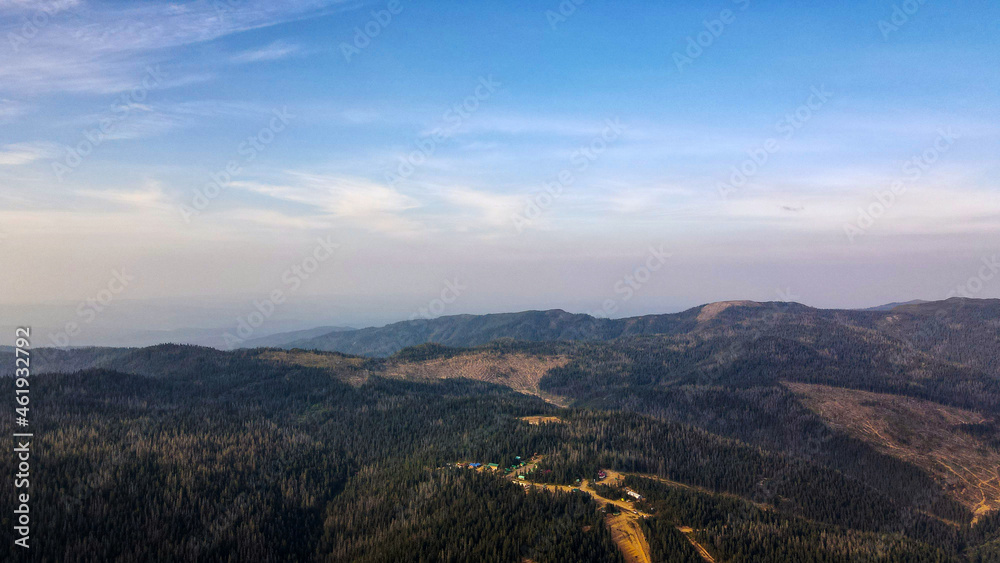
pixel 950 327
pixel 748 431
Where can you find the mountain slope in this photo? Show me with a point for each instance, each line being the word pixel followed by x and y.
pixel 960 331
pixel 355 455
pixel 461 330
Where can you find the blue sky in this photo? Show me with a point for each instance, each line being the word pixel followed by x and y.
pixel 184 85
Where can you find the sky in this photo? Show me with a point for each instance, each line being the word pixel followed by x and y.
pixel 356 163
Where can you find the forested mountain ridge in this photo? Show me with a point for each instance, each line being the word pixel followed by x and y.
pixel 462 330
pixel 764 431
pixel 956 327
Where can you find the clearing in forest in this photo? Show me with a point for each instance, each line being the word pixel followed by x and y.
pixel 923 433
pixel 536 420
pixel 712 310
pixel 520 372
pixel 628 535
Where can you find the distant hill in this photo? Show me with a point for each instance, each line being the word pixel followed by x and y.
pixel 532 326
pixel 281 339
pixel 954 328
pixel 461 330
pixel 893 305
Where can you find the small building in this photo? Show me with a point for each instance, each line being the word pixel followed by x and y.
pixel 601 475
pixel 493 466
pixel 520 477
pixel 475 465
pixel 633 494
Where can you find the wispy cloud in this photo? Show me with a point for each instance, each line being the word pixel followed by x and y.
pixel 23 153
pixel 273 52
pixel 47 6
pixel 102 47
pixel 361 203
pixel 532 125
pixel 149 196
pixel 140 121
pixel 268 219
pixel 11 109
pixel 488 209
pixel 143 122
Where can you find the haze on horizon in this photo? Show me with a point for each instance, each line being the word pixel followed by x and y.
pixel 369 159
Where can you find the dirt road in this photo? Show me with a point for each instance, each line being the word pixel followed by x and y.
pixel 628 535
pixel 689 533
pixel 624 527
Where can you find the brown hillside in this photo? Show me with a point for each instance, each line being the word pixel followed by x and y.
pixel 920 432
pixel 520 372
